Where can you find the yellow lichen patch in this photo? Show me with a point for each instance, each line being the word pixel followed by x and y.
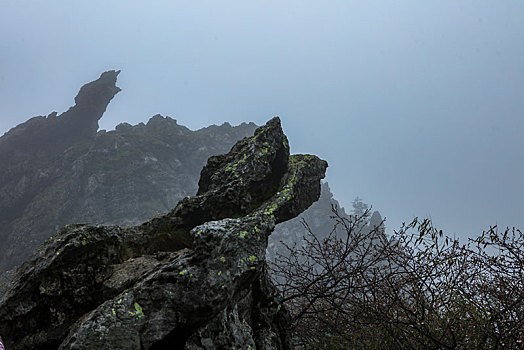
pixel 242 234
pixel 138 311
pixel 243 160
pixel 271 209
pixel 182 273
pixel 252 258
pixel 223 259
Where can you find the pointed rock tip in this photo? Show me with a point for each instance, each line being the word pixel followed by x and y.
pixel 272 124
pixel 99 92
pixel 109 75
pixel 275 121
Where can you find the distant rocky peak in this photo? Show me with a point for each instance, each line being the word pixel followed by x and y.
pixel 52 134
pixel 98 93
pixel 91 102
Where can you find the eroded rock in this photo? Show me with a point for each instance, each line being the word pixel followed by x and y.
pixel 32 160
pixel 194 278
pixel 58 169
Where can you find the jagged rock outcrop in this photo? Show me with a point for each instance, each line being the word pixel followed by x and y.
pixel 194 278
pixel 29 151
pixel 59 169
pixel 41 134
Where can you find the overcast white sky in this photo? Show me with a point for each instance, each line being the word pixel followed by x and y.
pixel 417 105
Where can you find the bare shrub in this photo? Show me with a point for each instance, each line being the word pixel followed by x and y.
pixel 415 289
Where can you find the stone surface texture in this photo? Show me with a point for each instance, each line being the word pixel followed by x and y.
pixel 57 170
pixel 194 278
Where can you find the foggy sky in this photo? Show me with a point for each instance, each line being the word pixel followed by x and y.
pixel 418 106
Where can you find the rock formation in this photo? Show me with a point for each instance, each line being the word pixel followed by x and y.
pixel 42 134
pixel 58 169
pixel 194 278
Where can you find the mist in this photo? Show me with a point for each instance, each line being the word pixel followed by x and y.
pixel 417 106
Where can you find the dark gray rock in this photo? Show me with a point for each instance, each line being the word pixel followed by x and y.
pixel 30 153
pixel 178 280
pixel 58 169
pixel 234 184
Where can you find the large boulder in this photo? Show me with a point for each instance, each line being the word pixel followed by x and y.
pixel 194 278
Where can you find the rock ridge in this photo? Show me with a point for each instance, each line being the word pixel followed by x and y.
pixel 60 131
pixel 59 169
pixel 194 278
pixel 29 152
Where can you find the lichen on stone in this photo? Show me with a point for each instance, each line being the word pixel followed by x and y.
pixel 197 270
pixel 138 311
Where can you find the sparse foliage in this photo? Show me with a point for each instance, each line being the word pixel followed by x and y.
pixel 415 289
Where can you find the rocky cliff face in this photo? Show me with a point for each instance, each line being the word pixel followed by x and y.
pixel 194 278
pixel 31 153
pixel 58 169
